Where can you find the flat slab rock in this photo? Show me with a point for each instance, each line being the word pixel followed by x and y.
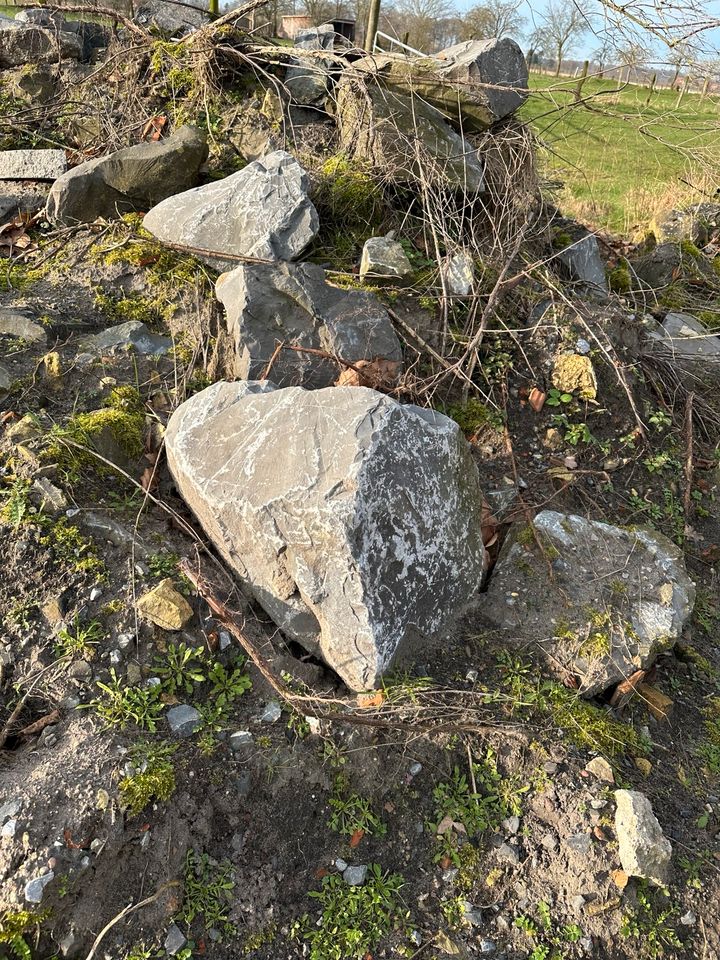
pixel 617 598
pixel 267 304
pixel 261 211
pixel 32 164
pixel 352 519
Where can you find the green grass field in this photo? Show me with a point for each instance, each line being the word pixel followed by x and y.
pixel 623 158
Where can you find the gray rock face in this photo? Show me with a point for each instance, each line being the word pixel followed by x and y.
pixel 129 180
pixel 175 940
pixel 686 339
pixel 667 263
pixel 316 38
pixel 183 720
pixel 21 197
pixel 22 43
pixel 20 326
pixel 267 304
pixel 169 19
pixel 41 17
pixel 308 83
pixel 497 64
pixel 583 262
pixel 32 164
pixel 404 136
pixel 384 257
pixel 5 379
pixel 644 849
pixel 262 211
pixel 618 597
pixel 352 519
pixel 133 335
pixel 696 224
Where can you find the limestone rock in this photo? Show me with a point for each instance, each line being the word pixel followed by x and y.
pixel 165 607
pixel 132 335
pixel 497 65
pixel 404 136
pixel 22 43
pixel 129 180
pixel 15 324
pixel 316 38
pixel 384 257
pixel 616 600
pixel 262 211
pixel 686 340
pixel 18 196
pixel 34 83
pixel 35 888
pixel 574 373
pixel 352 519
pixel 308 82
pixel 170 19
pixel 583 262
pixel 668 263
pixel 32 164
pixel 459 274
pixel 644 849
pixel 183 720
pixel 267 304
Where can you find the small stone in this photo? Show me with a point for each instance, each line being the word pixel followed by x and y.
pixel 511 825
pixel 102 800
pixel 643 765
pixel 21 327
pixel 184 720
pixel 598 804
pixel 487 947
pixel 34 888
pixel 643 848
pixel 384 257
pixel 95 594
pixel 341 865
pixel 550 842
pixel 96 845
pixel 271 713
pixel 578 903
pixel 550 767
pixel 414 769
pixel 619 878
pixel 509 854
pixel 415 937
pixel 175 940
pixel 49 498
pixel 11 808
pixel 224 640
pixel 240 739
pixel 243 784
pixel 131 335
pixel 471 676
pixel 459 274
pixel 124 641
pixel 473 914
pixel 659 705
pixel 573 373
pixel 580 843
pixel 165 607
pixel 9 828
pixel 116 658
pixel 600 768
pixel 133 673
pixel 582 347
pixel 80 670
pixel 688 919
pixel 355 875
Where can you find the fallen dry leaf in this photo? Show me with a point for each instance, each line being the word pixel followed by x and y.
pixel 154 128
pixel 367 700
pixel 376 373
pixel 356 838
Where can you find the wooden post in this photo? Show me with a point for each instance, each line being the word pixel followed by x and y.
pixel 653 81
pixel 372 25
pixel 214 7
pixel 581 81
pixel 683 91
pixel 706 87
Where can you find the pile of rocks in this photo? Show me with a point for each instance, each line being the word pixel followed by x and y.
pixel 45 36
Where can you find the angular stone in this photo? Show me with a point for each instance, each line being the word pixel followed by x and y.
pixel 316 38
pixel 261 211
pixel 35 888
pixel 10 809
pixel 41 17
pixel 497 66
pixel 183 720
pixel 668 263
pixel 129 180
pixel 404 137
pixel 240 739
pixel 695 223
pixel 355 875
pixel 617 597
pixel 22 196
pixel 583 262
pixel 6 379
pixel 132 335
pixel 267 304
pixel 165 607
pixel 26 43
pixel 308 82
pixel 459 274
pixel 175 940
pixel 574 373
pixel 384 257
pixel 32 164
pixel 352 519
pixel 21 327
pixel 686 339
pixel 643 848
pixel 601 769
pixel 170 19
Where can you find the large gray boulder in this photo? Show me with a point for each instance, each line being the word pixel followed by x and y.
pixel 262 212
pixel 404 136
pixel 352 519
pixel 22 43
pixel 129 180
pixel 267 304
pixel 644 849
pixel 171 19
pixel 497 66
pixel 615 600
pixel 696 223
pixel 686 340
pixel 583 263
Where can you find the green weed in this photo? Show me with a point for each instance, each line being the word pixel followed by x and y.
pixel 208 892
pixel 78 638
pixel 121 705
pixel 650 923
pixel 350 813
pixel 154 779
pixel 180 668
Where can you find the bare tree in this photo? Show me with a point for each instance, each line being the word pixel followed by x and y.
pixel 494 18
pixel 319 11
pixel 428 25
pixel 561 26
pixel 632 55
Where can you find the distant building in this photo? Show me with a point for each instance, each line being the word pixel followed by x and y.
pixel 292 25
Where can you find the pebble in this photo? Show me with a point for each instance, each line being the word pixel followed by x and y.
pixel 96 845
pixel 116 658
pixel 175 940
pixel 124 641
pixel 582 347
pixel 355 875
pixel 472 914
pixel 271 713
pixel 243 784
pixel 415 937
pixel 550 767
pixel 509 854
pixel 95 593
pixel 598 804
pixel 154 682
pixel 9 828
pixel 183 720
pixel 341 865
pixel 224 640
pixel 34 888
pixel 80 670
pixel 11 808
pixel 414 769
pixel 550 842
pixel 688 919
pixel 471 676
pixel 511 825
pixel 487 946
pixel 578 903
pixel 601 769
pixel 580 843
pixel 449 875
pixel 240 739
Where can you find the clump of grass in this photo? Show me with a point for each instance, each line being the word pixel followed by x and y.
pixel 121 705
pixel 351 813
pixel 208 891
pixel 650 923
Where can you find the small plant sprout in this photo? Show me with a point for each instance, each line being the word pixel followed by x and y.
pixel 180 668
pixel 78 638
pixel 121 705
